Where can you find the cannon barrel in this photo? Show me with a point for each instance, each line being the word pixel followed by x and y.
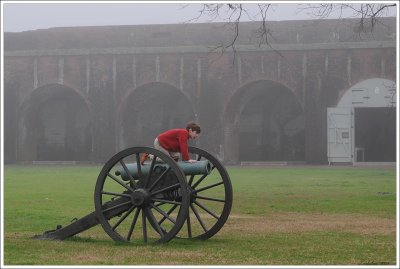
pixel 189 169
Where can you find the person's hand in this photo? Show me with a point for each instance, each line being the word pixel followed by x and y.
pixel 192 161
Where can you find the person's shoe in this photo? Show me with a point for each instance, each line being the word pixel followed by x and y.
pixel 144 157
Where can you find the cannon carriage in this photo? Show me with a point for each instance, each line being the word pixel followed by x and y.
pixel 157 200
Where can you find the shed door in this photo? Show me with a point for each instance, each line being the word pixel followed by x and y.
pixel 340 133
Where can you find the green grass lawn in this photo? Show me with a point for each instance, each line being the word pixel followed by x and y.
pixel 280 216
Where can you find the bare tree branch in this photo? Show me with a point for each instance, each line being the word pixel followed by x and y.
pixel 368 15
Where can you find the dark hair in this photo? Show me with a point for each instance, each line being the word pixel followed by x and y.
pixel 194 126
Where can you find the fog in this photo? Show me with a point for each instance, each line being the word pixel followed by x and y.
pixel 23 17
pixel 19 17
pixel 259 106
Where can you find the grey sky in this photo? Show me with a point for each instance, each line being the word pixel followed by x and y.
pixel 19 17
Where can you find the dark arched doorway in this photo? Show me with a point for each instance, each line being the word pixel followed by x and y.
pixel 55 126
pixel 152 109
pixel 267 123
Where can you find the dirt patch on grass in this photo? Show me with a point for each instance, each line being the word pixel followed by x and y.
pixel 301 222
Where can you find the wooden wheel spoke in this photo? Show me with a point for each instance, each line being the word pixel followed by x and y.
pixel 199 181
pixel 116 206
pixel 139 166
pixel 209 198
pixel 210 186
pixel 159 178
pixel 206 209
pixel 163 213
pixel 120 182
pixel 150 171
pixel 168 213
pixel 128 173
pixel 153 220
pixel 192 176
pixel 175 186
pixel 133 224
pixel 189 226
pixel 166 201
pixel 116 194
pixel 198 217
pixel 123 217
pixel 144 226
pixel 191 180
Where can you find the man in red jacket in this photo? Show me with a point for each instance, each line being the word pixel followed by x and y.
pixel 174 142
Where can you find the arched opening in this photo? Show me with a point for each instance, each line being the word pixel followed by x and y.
pixel 56 126
pixel 152 109
pixel 362 127
pixel 268 122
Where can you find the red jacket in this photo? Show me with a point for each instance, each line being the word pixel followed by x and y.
pixel 175 140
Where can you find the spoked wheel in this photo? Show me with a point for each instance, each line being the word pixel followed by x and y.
pixel 210 199
pixel 130 196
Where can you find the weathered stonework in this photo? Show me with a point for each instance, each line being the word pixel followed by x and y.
pixel 119 74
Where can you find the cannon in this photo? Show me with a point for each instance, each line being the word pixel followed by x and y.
pixel 158 200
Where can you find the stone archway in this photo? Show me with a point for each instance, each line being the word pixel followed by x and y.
pixel 151 109
pixel 362 126
pixel 264 122
pixel 55 126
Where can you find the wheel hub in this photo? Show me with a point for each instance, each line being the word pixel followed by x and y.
pixel 192 194
pixel 140 198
